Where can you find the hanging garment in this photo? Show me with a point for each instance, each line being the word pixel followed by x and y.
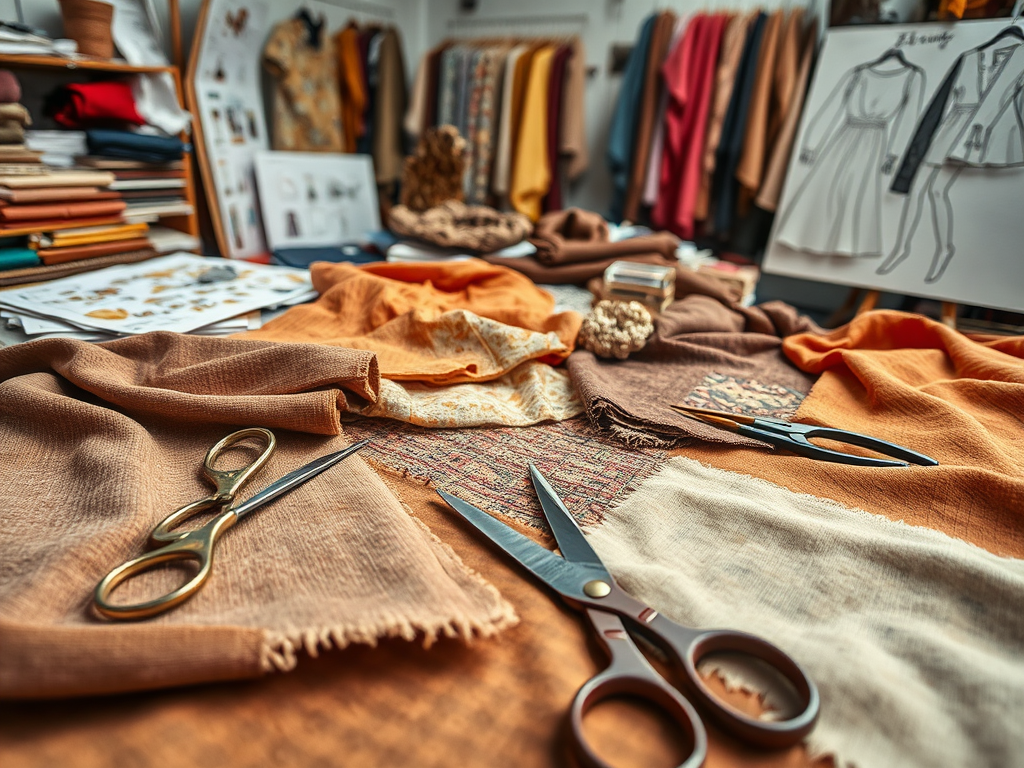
pixel 503 150
pixel 531 176
pixel 371 40
pixel 553 199
pixel 474 87
pixel 389 106
pixel 307 110
pixel 751 164
pixel 652 178
pixel 975 116
pixel 447 93
pixel 838 207
pixel 572 142
pixel 485 135
pixel 622 133
pixel 352 85
pixel 430 116
pixel 787 66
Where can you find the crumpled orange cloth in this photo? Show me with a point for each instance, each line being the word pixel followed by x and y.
pixel 431 322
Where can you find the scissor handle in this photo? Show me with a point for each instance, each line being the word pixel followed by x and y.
pixel 228 481
pixel 793 438
pixel 188 545
pixel 691 646
pixel 630 674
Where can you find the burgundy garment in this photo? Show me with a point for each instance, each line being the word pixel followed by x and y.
pixel 433 73
pixel 553 199
pixel 93 105
pixel 10 88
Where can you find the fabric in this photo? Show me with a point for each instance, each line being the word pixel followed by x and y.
pixel 837 209
pixel 571 273
pixel 572 142
pixel 61 254
pixel 661 37
pixel 35 274
pixel 652 178
pixel 531 174
pixel 913 638
pixel 784 80
pixel 704 352
pixel 467 127
pixel 17 258
pixel 486 131
pixel 553 198
pixel 750 168
pixel 12 132
pixel 10 88
pixel 414 122
pixel 306 106
pixel 91 105
pixel 433 77
pixel 446 89
pixel 137 417
pixel 389 107
pixel 146 148
pixel 574 235
pixel 729 58
pixel 453 224
pixel 622 131
pixel 16 112
pixel 381 706
pixel 503 149
pixel 771 188
pixel 60 211
pixel 351 84
pixel 407 310
pixel 520 80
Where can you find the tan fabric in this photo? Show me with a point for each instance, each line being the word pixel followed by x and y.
pixel 787 64
pixel 752 160
pixel 725 77
pixel 416 113
pixel 388 109
pixel 775 174
pixel 495 704
pixel 572 128
pixel 661 36
pixel 453 224
pixel 334 562
pixel 15 112
pixel 914 639
pixel 502 172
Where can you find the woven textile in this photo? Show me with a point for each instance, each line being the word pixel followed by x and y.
pixel 914 639
pixel 453 224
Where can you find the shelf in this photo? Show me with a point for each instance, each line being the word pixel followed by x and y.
pixel 32 61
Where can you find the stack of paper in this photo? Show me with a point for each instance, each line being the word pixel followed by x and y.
pixel 59 148
pixel 180 292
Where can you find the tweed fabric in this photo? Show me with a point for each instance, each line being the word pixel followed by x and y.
pixel 453 224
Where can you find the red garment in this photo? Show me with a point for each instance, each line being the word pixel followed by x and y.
pixel 553 199
pixel 686 118
pixel 92 105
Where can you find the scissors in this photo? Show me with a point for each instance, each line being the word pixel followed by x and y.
pixel 168 545
pixel 584 582
pixel 794 437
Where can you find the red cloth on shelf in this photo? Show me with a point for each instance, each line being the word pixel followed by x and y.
pixel 89 105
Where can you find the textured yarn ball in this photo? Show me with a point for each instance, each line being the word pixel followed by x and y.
pixel 616 329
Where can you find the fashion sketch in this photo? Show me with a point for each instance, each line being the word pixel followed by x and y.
pixel 852 141
pixel 976 118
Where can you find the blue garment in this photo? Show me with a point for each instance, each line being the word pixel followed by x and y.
pixel 135 146
pixel 16 258
pixel 622 134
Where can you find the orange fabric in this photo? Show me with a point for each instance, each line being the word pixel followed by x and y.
pixel 912 381
pixel 531 173
pixel 353 89
pixel 497 704
pixel 403 312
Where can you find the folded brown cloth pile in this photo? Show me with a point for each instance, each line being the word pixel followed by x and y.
pixel 573 246
pixel 453 224
pixel 101 442
pixel 705 352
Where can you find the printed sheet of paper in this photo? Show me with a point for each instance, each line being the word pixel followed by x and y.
pixel 169 293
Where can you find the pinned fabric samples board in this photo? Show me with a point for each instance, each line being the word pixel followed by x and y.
pixel 908 166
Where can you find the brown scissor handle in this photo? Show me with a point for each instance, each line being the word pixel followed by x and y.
pixel 632 675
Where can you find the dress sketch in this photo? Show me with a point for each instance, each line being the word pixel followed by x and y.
pixel 852 141
pixel 975 118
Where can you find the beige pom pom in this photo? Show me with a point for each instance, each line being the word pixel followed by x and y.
pixel 616 328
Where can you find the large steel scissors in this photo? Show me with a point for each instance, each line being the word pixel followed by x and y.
pixel 168 545
pixel 580 578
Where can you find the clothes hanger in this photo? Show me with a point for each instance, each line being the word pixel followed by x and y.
pixel 314 27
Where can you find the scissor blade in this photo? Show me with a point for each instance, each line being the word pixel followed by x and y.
pixel 558 573
pixel 571 541
pixel 296 478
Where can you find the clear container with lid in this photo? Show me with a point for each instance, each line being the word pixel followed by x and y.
pixel 652 285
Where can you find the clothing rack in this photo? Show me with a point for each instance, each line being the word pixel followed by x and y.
pixel 578 19
pixel 364 6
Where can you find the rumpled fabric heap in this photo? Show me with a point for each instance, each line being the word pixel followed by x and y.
pixel 706 351
pixel 92 105
pixel 453 224
pixel 98 443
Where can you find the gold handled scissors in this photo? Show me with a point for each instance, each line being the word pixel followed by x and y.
pixel 168 545
pixel 582 580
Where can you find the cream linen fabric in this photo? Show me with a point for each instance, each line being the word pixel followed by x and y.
pixel 915 639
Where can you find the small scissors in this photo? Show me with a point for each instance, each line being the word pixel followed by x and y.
pixel 582 580
pixel 167 545
pixel 794 437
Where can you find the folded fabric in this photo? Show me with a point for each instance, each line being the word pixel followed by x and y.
pixel 11 132
pixel 530 393
pixel 571 274
pixel 10 88
pixel 453 224
pixel 42 225
pixel 135 146
pixel 35 274
pixel 913 638
pixel 703 352
pixel 136 417
pixel 438 323
pixel 16 113
pixel 574 235
pixel 63 253
pixel 17 258
pixel 15 213
pixel 45 195
pixel 88 105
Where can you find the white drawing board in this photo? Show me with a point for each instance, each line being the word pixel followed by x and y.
pixel 934 110
pixel 313 199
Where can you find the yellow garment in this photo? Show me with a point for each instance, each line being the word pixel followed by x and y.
pixel 439 323
pixel 531 175
pixel 351 86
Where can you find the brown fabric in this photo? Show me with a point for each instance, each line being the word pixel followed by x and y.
pixel 11 132
pixel 38 274
pixel 912 381
pixel 787 64
pixel 574 235
pixel 661 36
pixel 775 174
pixel 752 160
pixel 389 102
pixel 334 562
pixel 698 343
pixel 453 224
pixel 65 253
pixel 573 139
pixel 495 703
pixel 571 274
pixel 19 213
pixel 433 73
pixel 15 112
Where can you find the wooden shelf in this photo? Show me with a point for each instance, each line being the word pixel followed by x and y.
pixel 30 61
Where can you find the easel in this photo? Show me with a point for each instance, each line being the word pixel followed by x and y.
pixel 868 300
